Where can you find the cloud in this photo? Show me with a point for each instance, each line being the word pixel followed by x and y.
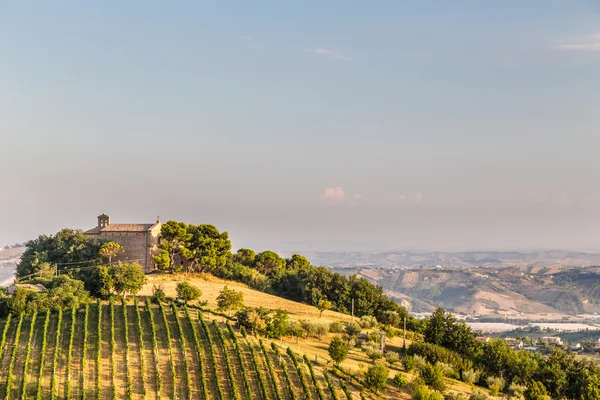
pixel 336 55
pixel 583 43
pixel 336 195
pixel 250 42
pixel 416 197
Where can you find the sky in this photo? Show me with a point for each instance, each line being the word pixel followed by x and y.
pixel 306 125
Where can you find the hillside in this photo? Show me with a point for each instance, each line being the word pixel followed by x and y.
pixel 536 292
pixel 9 257
pixel 161 367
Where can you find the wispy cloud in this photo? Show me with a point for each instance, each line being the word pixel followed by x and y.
pixel 333 54
pixel 416 197
pixel 250 42
pixel 582 43
pixel 336 195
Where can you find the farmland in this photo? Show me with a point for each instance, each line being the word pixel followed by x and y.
pixel 141 350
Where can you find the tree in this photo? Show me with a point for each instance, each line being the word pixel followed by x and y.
pixel 173 238
pixel 376 376
pixel 110 250
pixel 206 247
pixel 65 249
pixel 298 263
pixel 162 260
pixel 188 292
pixel 127 278
pixel 323 305
pixel 390 318
pixel 229 300
pixel 269 262
pixel 536 391
pixel 245 257
pixel 433 376
pixel 338 350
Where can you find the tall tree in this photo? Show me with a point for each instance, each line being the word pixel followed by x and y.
pixel 229 300
pixel 110 250
pixel 269 262
pixel 173 239
pixel 245 257
pixel 206 248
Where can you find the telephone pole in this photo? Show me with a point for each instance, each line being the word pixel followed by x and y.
pixel 352 310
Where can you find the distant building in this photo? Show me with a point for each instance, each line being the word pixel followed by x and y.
pixel 140 241
pixel 575 346
pixel 514 343
pixel 483 339
pixel 552 340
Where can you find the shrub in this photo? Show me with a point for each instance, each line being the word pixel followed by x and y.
pixel 188 292
pixel 454 396
pixel 373 354
pixel 536 391
pixel 367 321
pixel 409 363
pixel 401 380
pixel 392 357
pixel 338 350
pixel 495 384
pixel 336 327
pixel 434 353
pixel 376 376
pixel 517 390
pixel 433 375
pixel 424 393
pixel 373 337
pixel 478 394
pixel 352 329
pixel 470 376
pixel 158 294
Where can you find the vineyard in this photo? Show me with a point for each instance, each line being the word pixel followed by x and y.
pixel 144 351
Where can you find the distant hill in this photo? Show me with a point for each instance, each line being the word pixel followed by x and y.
pixel 546 258
pixel 9 257
pixel 545 292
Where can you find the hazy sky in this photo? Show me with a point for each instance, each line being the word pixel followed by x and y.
pixel 306 125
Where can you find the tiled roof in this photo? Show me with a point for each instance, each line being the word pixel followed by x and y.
pixel 122 228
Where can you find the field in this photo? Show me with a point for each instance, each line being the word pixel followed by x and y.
pixel 146 351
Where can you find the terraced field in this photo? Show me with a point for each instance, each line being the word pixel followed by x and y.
pixel 144 351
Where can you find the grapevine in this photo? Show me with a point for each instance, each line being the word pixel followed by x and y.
pixel 56 355
pixel 28 356
pixel 39 389
pixel 271 370
pixel 198 346
pixel 155 348
pixel 10 378
pixel 240 358
pixel 314 378
pixel 305 387
pixel 188 378
pixel 171 359
pixel 141 334
pixel 234 389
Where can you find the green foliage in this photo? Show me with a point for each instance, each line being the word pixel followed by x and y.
pixel 245 257
pixel 28 356
pixel 338 350
pixel 113 345
pixel 367 322
pixel 158 294
pixel 442 329
pixel 56 355
pixel 305 388
pixel 352 329
pixel 66 250
pixel 229 299
pixel 313 378
pixel 155 348
pixel 140 328
pixel 110 249
pixel 330 386
pixel 401 380
pixel 169 348
pixel 409 363
pixel 376 376
pixel 99 353
pixel 206 249
pixel 323 305
pixel 70 352
pixel 536 391
pixel 269 263
pixel 478 394
pixel 123 279
pixel 336 327
pixel 188 292
pixel 434 353
pixel 213 357
pixel 13 359
pixel 230 374
pixel 173 238
pixel 162 260
pixel 198 348
pixel 424 393
pixel 183 344
pixel 392 357
pixel 272 373
pixel 128 388
pixel 433 376
pixel 257 369
pixel 238 352
pixel 62 292
pixel 39 393
pixel 470 376
pixel 495 384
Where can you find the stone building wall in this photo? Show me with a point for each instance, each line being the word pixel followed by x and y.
pixel 134 244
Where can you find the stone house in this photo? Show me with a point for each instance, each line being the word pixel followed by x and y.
pixel 140 241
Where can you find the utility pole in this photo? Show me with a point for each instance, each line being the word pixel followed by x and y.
pixel 353 310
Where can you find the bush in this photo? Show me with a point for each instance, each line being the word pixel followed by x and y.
pixel 478 394
pixel 536 391
pixel 517 390
pixel 338 350
pixel 373 354
pixel 158 294
pixel 373 337
pixel 376 376
pixel 188 292
pixel 367 321
pixel 352 329
pixel 454 396
pixel 392 357
pixel 433 375
pixel 401 380
pixel 434 353
pixel 495 384
pixel 424 393
pixel 336 327
pixel 409 363
pixel 470 376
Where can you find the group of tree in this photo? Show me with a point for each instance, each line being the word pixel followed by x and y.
pixel 500 367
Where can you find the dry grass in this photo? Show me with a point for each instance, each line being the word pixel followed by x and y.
pixel 211 286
